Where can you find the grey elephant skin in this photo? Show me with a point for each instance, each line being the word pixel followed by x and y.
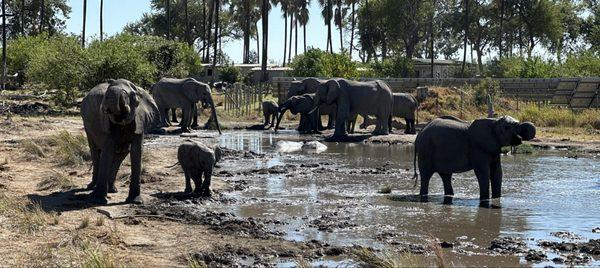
pixel 310 86
pixel 302 105
pixel 270 111
pixel 115 116
pixel 170 93
pixel 353 98
pixel 449 145
pixel 197 160
pixel 405 106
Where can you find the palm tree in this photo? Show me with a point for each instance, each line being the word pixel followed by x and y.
pixel 291 11
pixel 340 15
pixel 244 13
pixel 216 9
pixel 101 20
pixel 84 17
pixel 303 17
pixel 466 27
pixel 352 3
pixel 264 10
pixel 327 14
pixel 285 9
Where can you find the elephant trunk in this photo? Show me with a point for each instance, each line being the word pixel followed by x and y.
pixel 281 113
pixel 214 115
pixel 527 131
pixel 316 103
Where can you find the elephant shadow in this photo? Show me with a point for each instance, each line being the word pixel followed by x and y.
pixel 348 138
pixel 179 196
pixel 256 127
pixel 442 199
pixel 70 200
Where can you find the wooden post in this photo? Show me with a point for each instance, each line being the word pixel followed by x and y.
pixel 462 93
pixel 3 45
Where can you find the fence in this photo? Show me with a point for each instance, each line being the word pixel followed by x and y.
pixel 241 100
pixel 575 93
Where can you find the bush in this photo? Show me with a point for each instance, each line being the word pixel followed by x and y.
pixel 516 67
pixel 230 74
pixel 585 64
pixel 557 117
pixel 396 67
pixel 318 63
pixel 485 87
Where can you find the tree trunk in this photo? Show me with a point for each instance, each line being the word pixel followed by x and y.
pixel 3 86
pixel 101 20
pixel 169 19
pixel 188 38
pixel 304 39
pixel 431 40
pixel 296 36
pixel 466 27
pixel 479 60
pixel 265 38
pixel 285 38
pixel 353 22
pixel 257 42
pixel 209 25
pixel 501 30
pixel 246 5
pixel 42 14
pixel 215 52
pixel 204 36
pixel 22 17
pixel 84 17
pixel 291 35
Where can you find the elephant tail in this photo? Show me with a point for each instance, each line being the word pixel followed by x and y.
pixel 173 165
pixel 416 175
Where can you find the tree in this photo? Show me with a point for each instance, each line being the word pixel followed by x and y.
pixel 341 12
pixel 264 11
pixel 466 36
pixel 352 3
pixel 33 17
pixel 245 13
pixel 327 14
pixel 541 21
pixel 303 17
pixel 84 18
pixel 101 20
pixel 216 9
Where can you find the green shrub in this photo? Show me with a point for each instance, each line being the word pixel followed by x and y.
pixel 230 74
pixel 560 117
pixel 318 63
pixel 585 64
pixel 396 67
pixel 485 87
pixel 516 67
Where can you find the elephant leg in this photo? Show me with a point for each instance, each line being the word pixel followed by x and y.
pixel 266 115
pixel 98 196
pixel 117 160
pixel 164 117
pixel 185 122
pixel 496 177
pixel 380 124
pixel 197 177
pixel 390 128
pixel 174 115
pixel 273 118
pixel 194 116
pixel 425 178
pixel 136 170
pixel 408 127
pixel 95 155
pixel 206 182
pixel 188 184
pixel 482 172
pixel 447 180
pixel 331 121
pixel 320 121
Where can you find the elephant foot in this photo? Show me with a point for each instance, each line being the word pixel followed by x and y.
pixel 380 133
pixel 448 200
pixel 97 199
pixel 112 190
pixel 187 190
pixel 91 186
pixel 207 193
pixel 185 130
pixel 424 198
pixel 134 200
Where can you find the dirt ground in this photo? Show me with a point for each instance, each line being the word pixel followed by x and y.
pixel 52 226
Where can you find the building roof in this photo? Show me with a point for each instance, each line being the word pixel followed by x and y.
pixel 420 61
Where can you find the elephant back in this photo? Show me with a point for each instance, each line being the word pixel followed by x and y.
pixel 405 105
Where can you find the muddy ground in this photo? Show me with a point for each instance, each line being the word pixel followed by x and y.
pixel 174 229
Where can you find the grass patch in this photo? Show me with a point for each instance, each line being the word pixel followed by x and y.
pixel 548 116
pixel 385 190
pixel 32 149
pixel 84 223
pixel 100 221
pixel 70 149
pixel 56 181
pixel 97 258
pixel 301 262
pixel 194 263
pixel 4 165
pixel 524 148
pixel 24 215
pixel 368 258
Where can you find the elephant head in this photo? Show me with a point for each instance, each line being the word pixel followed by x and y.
pixel 296 104
pixel 327 93
pixel 201 92
pixel 307 85
pixel 492 134
pixel 124 103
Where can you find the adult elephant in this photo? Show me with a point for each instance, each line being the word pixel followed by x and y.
pixel 310 86
pixel 115 116
pixel 303 105
pixel 405 106
pixel 172 93
pixel 353 98
pixel 449 145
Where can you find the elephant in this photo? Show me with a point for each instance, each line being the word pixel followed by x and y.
pixel 449 145
pixel 405 106
pixel 353 98
pixel 309 86
pixel 116 114
pixel 196 160
pixel 270 111
pixel 172 93
pixel 302 104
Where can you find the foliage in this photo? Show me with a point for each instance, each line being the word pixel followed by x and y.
pixel 398 66
pixel 26 20
pixel 557 117
pixel 514 67
pixel 584 64
pixel 318 63
pixel 230 74
pixel 483 89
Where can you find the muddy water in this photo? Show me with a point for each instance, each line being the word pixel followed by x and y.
pixel 333 197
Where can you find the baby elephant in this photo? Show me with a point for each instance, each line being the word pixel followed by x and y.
pixel 270 111
pixel 197 159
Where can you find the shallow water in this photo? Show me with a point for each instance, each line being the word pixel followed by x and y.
pixel 339 203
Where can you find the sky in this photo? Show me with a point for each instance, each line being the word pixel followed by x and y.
pixel 117 13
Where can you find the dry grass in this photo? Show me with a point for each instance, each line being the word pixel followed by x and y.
pixel 368 258
pixel 100 221
pixel 4 164
pixel 69 149
pixel 547 116
pixel 386 189
pixel 24 215
pixel 439 254
pixel 32 149
pixel 97 258
pixel 301 262
pixel 194 263
pixel 84 223
pixel 56 181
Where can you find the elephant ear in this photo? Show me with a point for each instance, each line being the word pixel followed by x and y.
pixel 483 135
pixel 333 91
pixel 191 90
pixel 146 111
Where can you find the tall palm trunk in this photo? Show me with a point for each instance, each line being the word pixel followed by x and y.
pixel 296 36
pixel 285 37
pixel 265 38
pixel 84 18
pixel 501 31
pixel 246 6
pixel 169 19
pixel 3 86
pixel 353 22
pixel 257 41
pixel 291 35
pixel 304 39
pixel 216 10
pixel 101 20
pixel 330 16
pixel 462 72
pixel 204 35
pixel 431 39
pixel 42 14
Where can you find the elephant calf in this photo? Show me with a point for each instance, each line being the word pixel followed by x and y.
pixel 405 106
pixel 197 159
pixel 270 111
pixel 449 145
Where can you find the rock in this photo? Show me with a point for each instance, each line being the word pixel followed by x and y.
pixel 507 245
pixel 596 230
pixel 446 245
pixel 535 256
pixel 288 146
pixel 314 147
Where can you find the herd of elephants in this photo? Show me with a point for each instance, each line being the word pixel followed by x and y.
pixel 117 113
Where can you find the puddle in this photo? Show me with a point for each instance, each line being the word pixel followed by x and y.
pixel 333 197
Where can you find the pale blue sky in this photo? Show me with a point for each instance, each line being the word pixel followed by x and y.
pixel 117 13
